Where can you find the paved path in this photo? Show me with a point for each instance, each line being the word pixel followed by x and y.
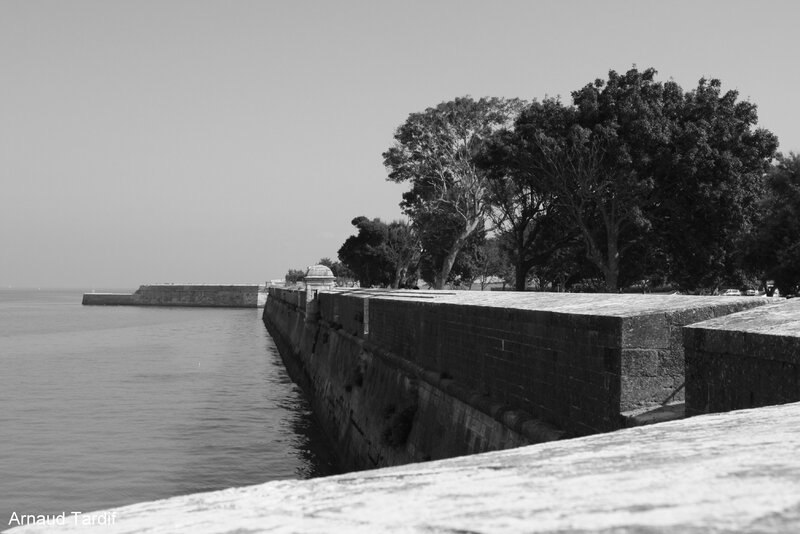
pixel 733 472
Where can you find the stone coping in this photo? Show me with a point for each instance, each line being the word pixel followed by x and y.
pixel 779 319
pixel 599 304
pixel 200 285
pixel 768 333
pixel 730 472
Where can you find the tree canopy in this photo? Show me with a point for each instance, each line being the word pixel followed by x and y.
pixel 773 246
pixel 381 254
pixel 435 152
pixel 634 181
pixel 635 164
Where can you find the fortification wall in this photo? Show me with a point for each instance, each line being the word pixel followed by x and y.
pixel 744 360
pixel 229 296
pixel 443 370
pixel 380 410
pixel 107 299
pixel 223 296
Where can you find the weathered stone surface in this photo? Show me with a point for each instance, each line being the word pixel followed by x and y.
pixel 228 296
pixel 731 472
pixel 202 295
pixel 107 299
pixel 744 360
pixel 575 361
pixel 379 409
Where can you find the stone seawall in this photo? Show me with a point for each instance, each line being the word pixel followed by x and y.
pixel 224 296
pixel 744 360
pixel 401 376
pixel 108 299
pixel 380 410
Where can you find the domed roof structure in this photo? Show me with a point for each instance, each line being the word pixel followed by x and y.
pixel 319 277
pixel 319 272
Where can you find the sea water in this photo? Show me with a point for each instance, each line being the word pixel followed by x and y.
pixel 102 406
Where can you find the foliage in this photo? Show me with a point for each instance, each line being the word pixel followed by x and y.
pixel 773 247
pixel 435 152
pixel 366 254
pixel 593 157
pixel 488 262
pixel 638 167
pixel 380 254
pixel 344 276
pixel 403 249
pixel 294 276
pixel 527 218
pixel 636 181
pixel 709 182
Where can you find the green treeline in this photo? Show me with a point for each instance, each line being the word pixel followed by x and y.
pixel 636 182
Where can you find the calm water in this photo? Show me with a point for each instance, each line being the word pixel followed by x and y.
pixel 105 406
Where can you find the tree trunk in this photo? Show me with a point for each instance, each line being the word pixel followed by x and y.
pixel 452 254
pixel 447 264
pixel 611 271
pixel 520 269
pixel 399 275
pixel 520 275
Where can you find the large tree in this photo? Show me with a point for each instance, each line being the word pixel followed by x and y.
pixel 589 156
pixel 436 231
pixel 773 247
pixel 709 178
pixel 435 152
pixel 657 182
pixel 365 253
pixel 380 254
pixel 403 249
pixel 526 218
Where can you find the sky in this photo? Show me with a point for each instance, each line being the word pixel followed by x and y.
pixel 229 141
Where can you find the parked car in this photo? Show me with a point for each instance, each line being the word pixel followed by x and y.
pixel 732 293
pixel 750 292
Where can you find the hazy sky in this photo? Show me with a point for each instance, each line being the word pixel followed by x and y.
pixel 228 141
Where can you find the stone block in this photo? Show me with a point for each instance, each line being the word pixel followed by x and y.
pixel 743 360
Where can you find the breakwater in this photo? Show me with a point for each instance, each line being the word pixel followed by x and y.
pixel 398 377
pixel 202 295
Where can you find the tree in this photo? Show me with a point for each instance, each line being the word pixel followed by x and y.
pixel 294 276
pixel 773 246
pixel 344 276
pixel 588 167
pixel 366 254
pixel 489 261
pixel 526 218
pixel 709 179
pixel 656 181
pixel 403 250
pixel 434 151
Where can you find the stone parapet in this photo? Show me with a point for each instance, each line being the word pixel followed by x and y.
pixel 744 360
pixel 573 361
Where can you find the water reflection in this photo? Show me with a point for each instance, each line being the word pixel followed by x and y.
pixel 115 405
pixel 309 441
